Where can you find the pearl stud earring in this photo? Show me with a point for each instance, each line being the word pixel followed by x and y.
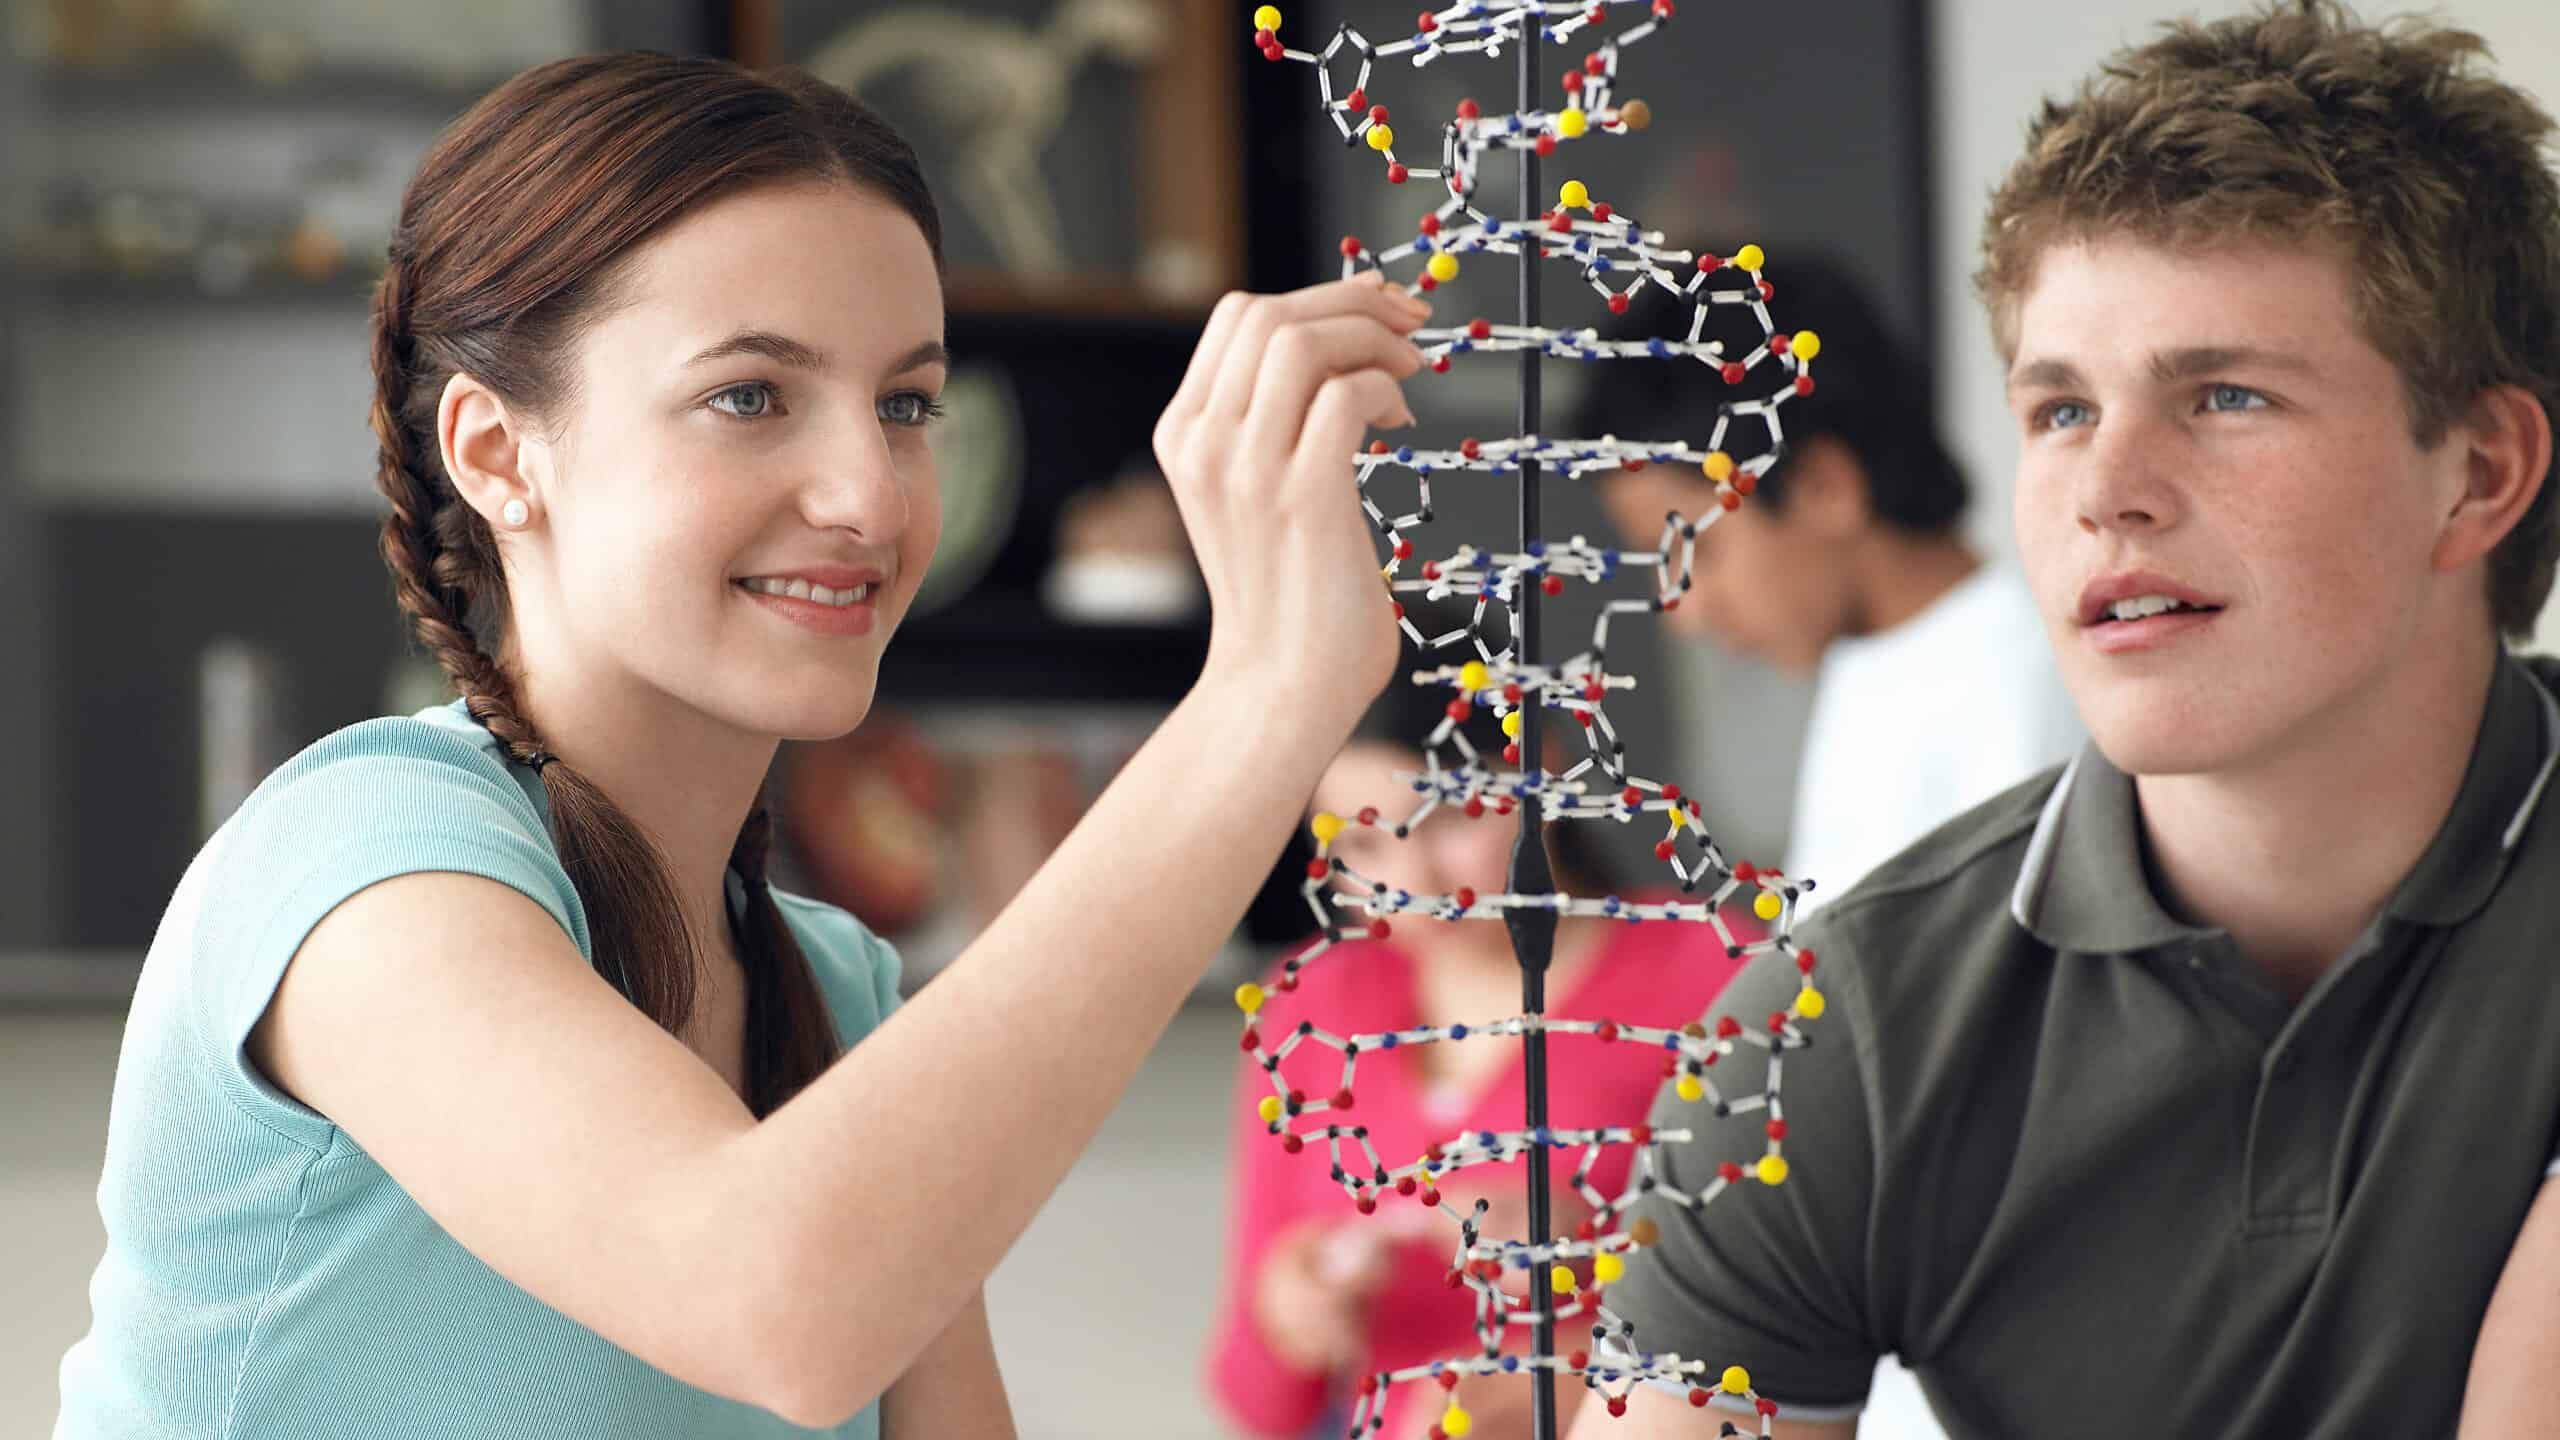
pixel 515 514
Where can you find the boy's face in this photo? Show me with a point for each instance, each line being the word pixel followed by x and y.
pixel 2212 425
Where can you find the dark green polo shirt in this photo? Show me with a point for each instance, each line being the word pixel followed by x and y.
pixel 2089 1174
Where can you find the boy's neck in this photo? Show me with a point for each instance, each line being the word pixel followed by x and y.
pixel 2293 853
pixel 1902 574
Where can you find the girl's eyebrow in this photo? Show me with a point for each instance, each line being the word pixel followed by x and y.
pixel 784 350
pixel 781 349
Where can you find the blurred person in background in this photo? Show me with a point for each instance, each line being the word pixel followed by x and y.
pixel 1317 1294
pixel 1933 686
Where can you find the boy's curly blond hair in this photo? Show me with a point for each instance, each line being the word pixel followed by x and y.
pixel 2300 122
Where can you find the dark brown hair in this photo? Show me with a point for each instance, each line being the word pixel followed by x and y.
pixel 513 236
pixel 2300 123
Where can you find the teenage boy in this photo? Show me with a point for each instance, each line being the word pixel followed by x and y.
pixel 2205 1086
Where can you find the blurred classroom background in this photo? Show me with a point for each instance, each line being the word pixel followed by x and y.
pixel 194 195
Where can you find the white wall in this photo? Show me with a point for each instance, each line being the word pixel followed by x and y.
pixel 1996 61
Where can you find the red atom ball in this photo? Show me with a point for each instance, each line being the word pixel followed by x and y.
pixel 1546 145
pixel 1425 23
pixel 1377 114
pixel 1777 1129
pixel 1358 99
pixel 1573 82
pixel 1733 372
pixel 1470 448
pixel 1617 304
pixel 1479 329
pixel 1467 110
pixel 1318 869
pixel 1804 384
pixel 1396 173
pixel 1553 584
pixel 1350 247
pixel 1378 929
pixel 1804 961
pixel 1430 225
pixel 1601 211
pixel 1458 709
pixel 1466 897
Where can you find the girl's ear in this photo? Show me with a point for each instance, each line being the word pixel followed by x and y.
pixel 483 442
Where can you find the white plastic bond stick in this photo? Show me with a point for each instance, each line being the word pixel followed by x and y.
pixel 1616 258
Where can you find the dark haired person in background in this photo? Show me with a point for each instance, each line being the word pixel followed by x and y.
pixel 1934 687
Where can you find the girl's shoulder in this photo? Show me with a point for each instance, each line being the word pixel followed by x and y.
pixel 385 767
pixel 856 969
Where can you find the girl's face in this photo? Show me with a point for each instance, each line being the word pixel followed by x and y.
pixel 1446 851
pixel 754 408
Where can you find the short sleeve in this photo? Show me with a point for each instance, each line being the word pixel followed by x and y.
pixel 376 801
pixel 857 970
pixel 1769 1277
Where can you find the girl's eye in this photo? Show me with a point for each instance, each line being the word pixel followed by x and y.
pixel 754 400
pixel 2233 397
pixel 910 407
pixel 2060 414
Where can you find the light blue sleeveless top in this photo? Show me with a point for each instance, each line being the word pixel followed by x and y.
pixel 264 1279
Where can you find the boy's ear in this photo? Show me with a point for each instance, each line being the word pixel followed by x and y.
pixel 2506 440
pixel 1826 487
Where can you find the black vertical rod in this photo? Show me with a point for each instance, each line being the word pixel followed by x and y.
pixel 1533 932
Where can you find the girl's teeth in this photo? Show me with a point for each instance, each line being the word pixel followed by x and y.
pixel 803 590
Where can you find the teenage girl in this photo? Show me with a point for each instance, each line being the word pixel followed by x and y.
pixel 478 1084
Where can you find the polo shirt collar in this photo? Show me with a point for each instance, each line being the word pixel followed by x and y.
pixel 2082 886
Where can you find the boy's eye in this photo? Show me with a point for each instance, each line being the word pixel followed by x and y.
pixel 2059 414
pixel 751 401
pixel 2233 397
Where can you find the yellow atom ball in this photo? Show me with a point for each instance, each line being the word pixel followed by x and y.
pixel 1736 1380
pixel 1574 196
pixel 1473 676
pixel 1270 1108
pixel 1607 1268
pixel 1267 18
pixel 1805 345
pixel 1750 257
pixel 1809 1003
pixel 1571 123
pixel 1325 827
pixel 1456 1422
pixel 1690 1089
pixel 1719 466
pixel 1766 905
pixel 1381 137
pixel 1511 724
pixel 1773 1170
pixel 1561 1278
pixel 1248 997
pixel 1443 267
